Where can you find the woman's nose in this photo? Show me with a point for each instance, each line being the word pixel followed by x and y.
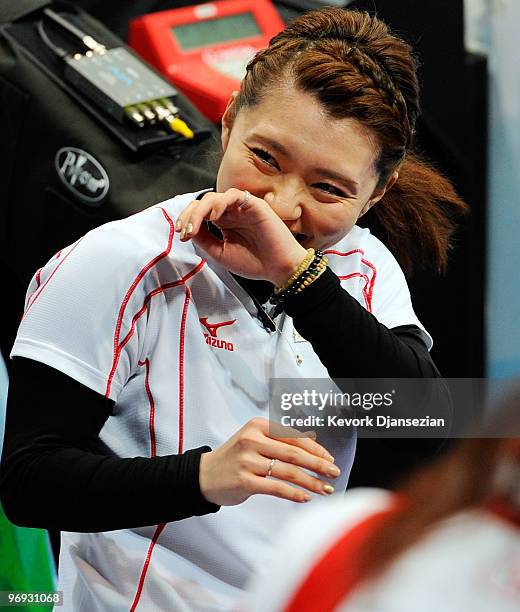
pixel 286 205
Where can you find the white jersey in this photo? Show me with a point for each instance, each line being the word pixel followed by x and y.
pixel 469 562
pixel 145 320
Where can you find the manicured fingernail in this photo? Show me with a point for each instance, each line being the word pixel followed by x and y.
pixel 178 225
pixel 183 233
pixel 329 489
pixel 333 470
pixel 189 229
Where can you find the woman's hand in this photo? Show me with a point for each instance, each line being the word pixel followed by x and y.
pixel 238 469
pixel 257 244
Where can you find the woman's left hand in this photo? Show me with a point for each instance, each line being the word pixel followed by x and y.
pixel 256 242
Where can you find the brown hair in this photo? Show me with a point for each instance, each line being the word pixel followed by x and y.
pixel 358 69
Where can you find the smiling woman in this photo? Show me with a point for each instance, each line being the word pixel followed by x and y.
pixel 317 174
pixel 150 345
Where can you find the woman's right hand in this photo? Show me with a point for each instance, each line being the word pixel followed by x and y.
pixel 236 470
pixel 256 242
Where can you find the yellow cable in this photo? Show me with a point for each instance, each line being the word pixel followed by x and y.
pixel 181 127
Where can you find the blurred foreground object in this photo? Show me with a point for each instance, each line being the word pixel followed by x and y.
pixel 448 540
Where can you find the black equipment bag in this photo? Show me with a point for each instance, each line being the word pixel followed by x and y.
pixel 68 166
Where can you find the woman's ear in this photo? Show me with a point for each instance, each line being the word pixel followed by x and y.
pixel 379 193
pixel 228 118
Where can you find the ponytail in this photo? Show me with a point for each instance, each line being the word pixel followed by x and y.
pixel 416 218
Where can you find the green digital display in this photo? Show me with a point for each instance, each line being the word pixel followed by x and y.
pixel 214 31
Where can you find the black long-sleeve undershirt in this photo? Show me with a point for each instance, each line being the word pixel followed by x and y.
pixel 350 341
pixel 53 474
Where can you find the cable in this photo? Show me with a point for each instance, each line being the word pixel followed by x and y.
pixel 61 21
pixel 85 71
pixel 59 51
pixel 85 38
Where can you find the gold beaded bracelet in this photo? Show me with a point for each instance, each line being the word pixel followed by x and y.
pixel 299 270
pixel 320 268
pixel 308 275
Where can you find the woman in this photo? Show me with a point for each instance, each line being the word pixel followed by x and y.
pixel 449 540
pixel 138 343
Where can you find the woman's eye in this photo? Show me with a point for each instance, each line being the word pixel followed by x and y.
pixel 329 189
pixel 265 157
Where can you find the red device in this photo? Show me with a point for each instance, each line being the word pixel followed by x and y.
pixel 203 49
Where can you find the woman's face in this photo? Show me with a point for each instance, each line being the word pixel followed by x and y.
pixel 317 173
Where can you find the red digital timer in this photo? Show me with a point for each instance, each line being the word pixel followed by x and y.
pixel 203 49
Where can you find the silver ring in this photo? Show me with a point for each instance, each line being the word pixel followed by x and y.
pixel 270 470
pixel 245 201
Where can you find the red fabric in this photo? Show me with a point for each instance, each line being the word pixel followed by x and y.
pixel 503 508
pixel 336 574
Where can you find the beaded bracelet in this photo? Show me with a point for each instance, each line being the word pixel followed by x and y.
pixel 299 270
pixel 308 275
pixel 306 278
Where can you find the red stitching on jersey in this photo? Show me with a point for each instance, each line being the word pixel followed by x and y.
pixel 181 427
pixel 38 279
pixel 153 447
pixel 341 254
pixel 38 282
pixel 37 293
pixel 181 367
pixel 140 313
pixel 368 289
pixel 353 274
pixel 364 290
pixel 146 564
pixel 161 526
pixel 38 275
pixel 129 293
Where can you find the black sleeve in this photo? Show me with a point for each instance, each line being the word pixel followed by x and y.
pixel 350 341
pixel 54 474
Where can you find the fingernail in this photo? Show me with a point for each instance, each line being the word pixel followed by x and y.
pixel 178 225
pixel 329 457
pixel 307 497
pixel 333 470
pixel 189 229
pixel 329 489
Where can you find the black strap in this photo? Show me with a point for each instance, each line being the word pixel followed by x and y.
pixel 12 11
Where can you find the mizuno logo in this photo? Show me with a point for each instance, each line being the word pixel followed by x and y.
pixel 211 335
pixel 212 327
